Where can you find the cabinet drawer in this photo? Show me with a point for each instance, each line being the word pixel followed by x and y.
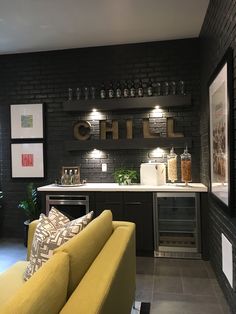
pixel 137 197
pixel 109 197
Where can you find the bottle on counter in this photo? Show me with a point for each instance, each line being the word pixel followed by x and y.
pixel 172 166
pixel 111 91
pixel 86 93
pixel 173 88
pixel 186 167
pixel 140 89
pixel 126 90
pixel 70 177
pixel 75 178
pixel 78 93
pixel 150 88
pixel 158 89
pixel 70 93
pixel 181 87
pixel 93 92
pixel 132 90
pixel 166 89
pixel 65 178
pixel 103 91
pixel 118 90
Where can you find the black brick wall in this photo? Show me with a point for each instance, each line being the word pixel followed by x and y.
pixel 45 77
pixel 217 34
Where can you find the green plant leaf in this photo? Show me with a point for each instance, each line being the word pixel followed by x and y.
pixel 125 176
pixel 30 205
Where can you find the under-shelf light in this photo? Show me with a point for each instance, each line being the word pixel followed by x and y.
pixel 157 111
pixel 95 115
pixel 157 153
pixel 96 154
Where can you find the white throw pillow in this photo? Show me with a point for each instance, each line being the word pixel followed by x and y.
pixel 49 235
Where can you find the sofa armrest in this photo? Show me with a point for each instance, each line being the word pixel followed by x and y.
pixel 117 224
pixel 109 284
pixel 32 227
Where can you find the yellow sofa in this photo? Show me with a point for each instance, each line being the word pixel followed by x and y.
pixel 94 272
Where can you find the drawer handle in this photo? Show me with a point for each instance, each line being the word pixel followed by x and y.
pixel 112 203
pixel 134 203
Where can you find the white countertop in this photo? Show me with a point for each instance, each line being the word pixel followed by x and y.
pixel 114 187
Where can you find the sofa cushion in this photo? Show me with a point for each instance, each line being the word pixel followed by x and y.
pixel 45 292
pixel 47 238
pixel 11 280
pixel 84 247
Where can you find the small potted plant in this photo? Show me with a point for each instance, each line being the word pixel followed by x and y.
pixel 125 176
pixel 30 206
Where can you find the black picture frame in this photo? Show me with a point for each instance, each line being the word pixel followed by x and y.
pixel 221 146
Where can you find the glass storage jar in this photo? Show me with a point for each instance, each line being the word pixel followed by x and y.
pixel 186 167
pixel 172 166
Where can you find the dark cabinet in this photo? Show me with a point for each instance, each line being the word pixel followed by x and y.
pixel 131 206
pixel 138 208
pixel 112 201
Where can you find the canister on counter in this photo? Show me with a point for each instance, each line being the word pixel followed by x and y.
pixel 186 166
pixel 172 166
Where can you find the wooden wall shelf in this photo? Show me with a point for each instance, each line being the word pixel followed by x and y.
pixel 127 103
pixel 136 143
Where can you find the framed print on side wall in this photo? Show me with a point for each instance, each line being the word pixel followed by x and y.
pixel 220 132
pixel 27 121
pixel 27 160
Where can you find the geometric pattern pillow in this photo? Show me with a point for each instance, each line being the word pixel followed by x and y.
pixel 48 237
pixel 57 218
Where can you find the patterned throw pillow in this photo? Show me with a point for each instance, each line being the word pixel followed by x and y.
pixel 48 237
pixel 57 218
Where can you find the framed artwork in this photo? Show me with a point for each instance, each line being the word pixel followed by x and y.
pixel 220 132
pixel 27 121
pixel 27 160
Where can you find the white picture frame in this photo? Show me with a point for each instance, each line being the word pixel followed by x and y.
pixel 27 160
pixel 27 121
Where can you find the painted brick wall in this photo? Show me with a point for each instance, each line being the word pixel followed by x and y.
pixel 45 77
pixel 217 34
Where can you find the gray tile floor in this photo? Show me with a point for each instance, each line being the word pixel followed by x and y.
pixel 177 286
pixel 173 286
pixel 11 251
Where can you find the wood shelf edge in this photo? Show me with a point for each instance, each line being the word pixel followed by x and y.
pixel 125 144
pixel 129 103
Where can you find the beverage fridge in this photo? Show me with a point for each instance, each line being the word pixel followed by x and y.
pixel 177 231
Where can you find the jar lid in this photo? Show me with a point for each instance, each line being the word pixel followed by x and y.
pixel 172 152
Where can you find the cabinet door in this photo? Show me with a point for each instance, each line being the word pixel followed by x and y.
pixel 138 208
pixel 112 201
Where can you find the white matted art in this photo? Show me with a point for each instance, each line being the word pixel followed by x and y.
pixel 220 133
pixel 27 121
pixel 227 258
pixel 27 160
